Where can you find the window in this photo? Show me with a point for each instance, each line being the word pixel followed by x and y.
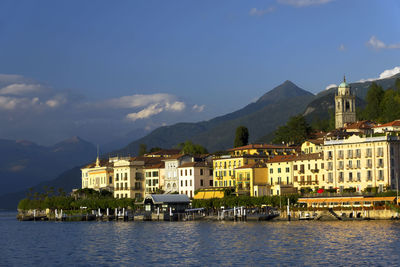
pixel 117 177
pixel 369 152
pixel 211 183
pixel 190 182
pixel 380 151
pixel 295 178
pixel 330 177
pixel 271 170
pixel 287 169
pixel 369 175
pixel 148 174
pixel 380 163
pixel 380 175
pixel 341 178
pixel 358 176
pixel 185 172
pixel 181 183
pixel 279 170
pixel 211 172
pixel 201 171
pixel 295 167
pixel 201 182
pixel 155 173
pixel 358 164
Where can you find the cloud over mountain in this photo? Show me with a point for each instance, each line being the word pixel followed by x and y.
pixel 304 3
pixel 385 74
pixel 34 110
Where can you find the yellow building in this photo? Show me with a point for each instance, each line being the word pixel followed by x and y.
pixel 280 174
pixel 261 150
pixel 252 179
pixel 308 171
pixel 98 175
pixel 362 162
pixel 312 146
pixel 224 168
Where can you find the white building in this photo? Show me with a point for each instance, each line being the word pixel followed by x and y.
pixel 171 171
pixel 193 176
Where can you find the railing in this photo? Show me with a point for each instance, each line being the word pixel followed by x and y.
pixel 313 182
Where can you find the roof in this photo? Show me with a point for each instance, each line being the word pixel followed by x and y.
pixel 164 152
pixel 287 158
pixel 316 141
pixel 365 124
pixel 282 158
pixel 260 146
pixel 392 123
pixel 175 157
pixel 160 165
pixel 168 198
pixel 253 165
pixel 344 199
pixel 103 163
pixel 193 164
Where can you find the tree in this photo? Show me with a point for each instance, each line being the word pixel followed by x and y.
pixel 242 136
pixel 397 85
pixel 189 148
pixel 295 131
pixel 142 149
pixel 155 149
pixel 374 98
pixel 390 106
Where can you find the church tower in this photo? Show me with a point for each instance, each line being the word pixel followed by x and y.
pixel 345 105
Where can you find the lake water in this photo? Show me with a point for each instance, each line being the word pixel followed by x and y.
pixel 198 243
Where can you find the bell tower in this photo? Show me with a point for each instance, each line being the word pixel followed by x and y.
pixel 345 105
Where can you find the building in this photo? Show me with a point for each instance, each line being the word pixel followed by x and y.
pixel 261 150
pixel 362 162
pixel 224 168
pixel 155 176
pixel 194 176
pixel 129 178
pixel 364 127
pixel 98 176
pixel 393 126
pixel 312 146
pixel 345 105
pixel 171 171
pixel 308 172
pixel 166 203
pixel 280 174
pixel 252 179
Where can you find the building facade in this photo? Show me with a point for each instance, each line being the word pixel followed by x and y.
pixel 362 162
pixel 171 171
pixel 98 176
pixel 194 176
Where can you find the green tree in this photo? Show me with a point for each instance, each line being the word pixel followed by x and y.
pixel 390 106
pixel 142 149
pixel 397 85
pixel 374 98
pixel 242 136
pixel 295 131
pixel 189 148
pixel 155 149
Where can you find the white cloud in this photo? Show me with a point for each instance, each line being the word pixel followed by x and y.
pixel 385 74
pixel 145 113
pixel 198 108
pixel 176 106
pixel 377 44
pixel 261 12
pixel 20 89
pixel 342 47
pixel 155 109
pixel 330 86
pixel 136 101
pixel 303 3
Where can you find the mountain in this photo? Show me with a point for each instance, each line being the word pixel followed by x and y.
pixel 67 180
pixel 24 164
pixel 325 100
pixel 263 116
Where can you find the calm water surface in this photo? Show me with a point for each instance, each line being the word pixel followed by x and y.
pixel 198 243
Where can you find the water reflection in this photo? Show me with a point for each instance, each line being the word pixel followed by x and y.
pixel 199 243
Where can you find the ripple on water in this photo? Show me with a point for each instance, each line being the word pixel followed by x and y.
pixel 199 243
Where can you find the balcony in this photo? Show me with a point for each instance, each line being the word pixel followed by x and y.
pixel 314 170
pixel 313 182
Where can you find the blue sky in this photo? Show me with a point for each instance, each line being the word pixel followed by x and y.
pixel 142 64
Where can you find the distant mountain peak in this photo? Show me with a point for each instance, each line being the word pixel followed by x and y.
pixel 287 89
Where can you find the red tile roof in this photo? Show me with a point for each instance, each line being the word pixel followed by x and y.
pixel 259 146
pixel 392 123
